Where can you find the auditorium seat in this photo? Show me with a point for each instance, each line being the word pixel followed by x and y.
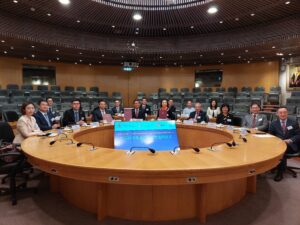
pixel 55 88
pixel 229 94
pixel 242 94
pixel 66 93
pixel 26 87
pixel 243 100
pixel 240 109
pixel 78 94
pixel 201 99
pixel 15 92
pixel 232 89
pixel 4 100
pixel 259 89
pixel 12 87
pixel 116 95
pixel 173 90
pixel 196 90
pixel 208 89
pixel 220 89
pixel 188 95
pixel 229 100
pixel 35 93
pixel 91 94
pixel 18 99
pixel 164 95
pixel 10 116
pixel 42 88
pixel 162 90
pixel 103 95
pixel 35 99
pixel 95 89
pixel 184 90
pixel 3 93
pixel 66 99
pixel 81 88
pixel 69 88
pixel 246 89
pixel 48 94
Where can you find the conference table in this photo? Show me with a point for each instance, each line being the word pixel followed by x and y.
pixel 154 187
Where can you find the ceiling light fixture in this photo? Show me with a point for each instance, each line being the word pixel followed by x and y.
pixel 77 21
pixel 279 53
pixel 49 14
pixel 137 16
pixel 64 2
pixel 2 41
pixel 221 21
pixel 15 1
pixel 192 27
pixel 237 19
pixel 287 2
pixel 212 10
pixel 252 14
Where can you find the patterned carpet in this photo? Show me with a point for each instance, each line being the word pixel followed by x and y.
pixel 273 204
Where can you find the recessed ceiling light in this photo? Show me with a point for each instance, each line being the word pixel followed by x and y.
pixel 222 53
pixel 32 46
pixel 262 57
pixel 246 50
pixel 290 54
pixel 237 19
pixel 5 52
pixel 32 9
pixel 100 62
pixel 49 14
pixel 239 56
pixel 212 10
pixel 164 29
pixel 75 63
pixel 137 16
pixel 160 57
pixel 248 61
pixel 221 21
pixel 64 2
pixel 15 1
pixel 90 64
pixel 25 57
pixel 12 47
pixel 279 53
pixel 273 47
pixel 201 55
pixel 32 55
pixel 49 60
pixel 80 60
pixel 192 27
pixel 57 58
pixel 113 26
pixel 102 55
pixel 252 14
pixel 2 41
pixel 136 32
pixel 57 50
pixel 287 2
pixel 77 21
pixel 80 53
pixel 141 57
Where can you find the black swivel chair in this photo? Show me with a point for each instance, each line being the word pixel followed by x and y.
pixel 291 169
pixel 11 163
pixel 10 116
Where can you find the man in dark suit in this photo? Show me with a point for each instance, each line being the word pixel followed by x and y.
pixel 75 115
pixel 145 107
pixel 172 109
pixel 137 112
pixel 198 115
pixel 287 130
pixel 52 109
pixel 117 109
pixel 99 112
pixel 44 119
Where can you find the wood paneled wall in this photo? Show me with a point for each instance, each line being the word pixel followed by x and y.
pixel 146 79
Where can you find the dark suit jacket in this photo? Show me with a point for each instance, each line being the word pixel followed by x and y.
pixel 292 132
pixel 140 116
pixel 147 109
pixel 41 120
pixel 226 120
pixel 97 115
pixel 69 117
pixel 114 110
pixel 203 116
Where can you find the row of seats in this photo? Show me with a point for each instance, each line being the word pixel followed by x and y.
pixel 28 87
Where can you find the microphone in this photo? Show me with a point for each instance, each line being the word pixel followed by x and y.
pixel 230 145
pixel 176 149
pixel 65 139
pixel 150 149
pixel 87 143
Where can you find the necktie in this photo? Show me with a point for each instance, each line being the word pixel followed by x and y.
pixel 76 116
pixel 50 110
pixel 197 114
pixel 283 126
pixel 136 113
pixel 47 119
pixel 254 121
pixel 103 113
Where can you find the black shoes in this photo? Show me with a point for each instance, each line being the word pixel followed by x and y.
pixel 279 176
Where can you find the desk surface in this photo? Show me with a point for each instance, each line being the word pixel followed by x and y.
pixel 258 155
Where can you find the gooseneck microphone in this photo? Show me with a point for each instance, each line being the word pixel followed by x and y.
pixel 87 143
pixel 230 145
pixel 65 139
pixel 176 149
pixel 147 148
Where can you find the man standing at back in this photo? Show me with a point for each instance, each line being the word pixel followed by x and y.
pixel 287 130
pixel 255 120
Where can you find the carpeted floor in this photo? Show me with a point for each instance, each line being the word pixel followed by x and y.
pixel 273 204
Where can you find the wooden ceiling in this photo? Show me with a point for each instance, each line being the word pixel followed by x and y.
pixel 94 31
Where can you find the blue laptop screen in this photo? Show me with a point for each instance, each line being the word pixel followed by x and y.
pixel 159 135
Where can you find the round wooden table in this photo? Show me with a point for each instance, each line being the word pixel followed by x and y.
pixel 157 187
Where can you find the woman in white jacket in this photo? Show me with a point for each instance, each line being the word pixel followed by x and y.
pixel 213 110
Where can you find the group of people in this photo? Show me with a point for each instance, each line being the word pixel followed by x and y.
pixel 33 123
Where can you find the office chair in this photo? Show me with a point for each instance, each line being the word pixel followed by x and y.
pixel 291 169
pixel 10 116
